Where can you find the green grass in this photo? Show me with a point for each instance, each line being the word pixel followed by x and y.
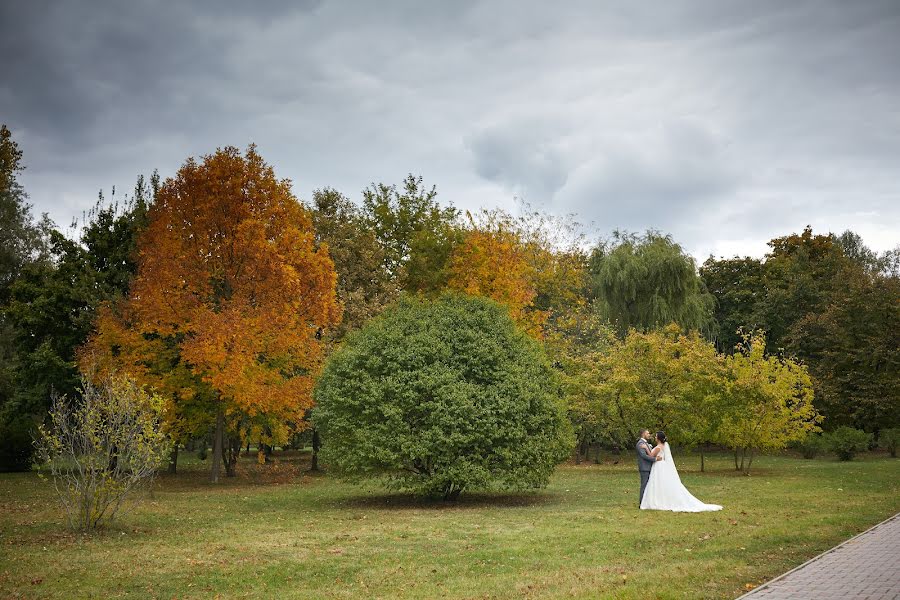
pixel 276 533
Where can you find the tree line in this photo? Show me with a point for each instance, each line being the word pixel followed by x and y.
pixel 226 295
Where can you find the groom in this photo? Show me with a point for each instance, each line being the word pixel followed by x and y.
pixel 645 461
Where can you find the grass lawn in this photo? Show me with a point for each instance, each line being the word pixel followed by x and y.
pixel 274 532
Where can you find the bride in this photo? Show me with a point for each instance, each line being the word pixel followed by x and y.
pixel 665 490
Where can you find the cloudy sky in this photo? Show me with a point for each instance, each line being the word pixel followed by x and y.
pixel 723 123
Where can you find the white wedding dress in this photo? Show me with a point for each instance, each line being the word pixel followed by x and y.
pixel 666 492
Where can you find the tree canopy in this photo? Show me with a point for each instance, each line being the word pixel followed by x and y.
pixel 647 281
pixel 829 301
pixel 442 397
pixel 231 276
pixel 416 233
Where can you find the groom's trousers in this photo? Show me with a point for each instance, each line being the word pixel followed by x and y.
pixel 645 477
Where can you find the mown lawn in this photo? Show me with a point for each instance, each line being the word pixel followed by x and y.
pixel 276 533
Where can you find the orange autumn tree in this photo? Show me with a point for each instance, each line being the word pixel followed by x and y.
pixel 230 276
pixel 117 345
pixel 492 261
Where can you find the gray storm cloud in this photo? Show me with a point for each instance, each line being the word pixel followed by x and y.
pixel 724 123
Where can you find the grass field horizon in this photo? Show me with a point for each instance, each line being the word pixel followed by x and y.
pixel 276 531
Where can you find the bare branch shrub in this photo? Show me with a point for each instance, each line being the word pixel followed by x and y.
pixel 101 447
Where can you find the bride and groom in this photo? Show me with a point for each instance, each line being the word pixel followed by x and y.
pixel 661 487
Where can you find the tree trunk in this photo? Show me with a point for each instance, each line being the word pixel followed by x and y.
pixel 452 492
pixel 316 444
pixel 113 463
pixel 702 461
pixel 218 448
pixel 736 468
pixel 231 452
pixel 743 457
pixel 173 459
pixel 749 462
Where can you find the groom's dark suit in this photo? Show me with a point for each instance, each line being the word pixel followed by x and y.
pixel 645 463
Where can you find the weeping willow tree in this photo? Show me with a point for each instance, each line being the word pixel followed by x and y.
pixel 646 281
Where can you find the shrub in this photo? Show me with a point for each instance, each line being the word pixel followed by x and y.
pixel 440 397
pixel 847 441
pixel 101 447
pixel 16 434
pixel 811 445
pixel 889 439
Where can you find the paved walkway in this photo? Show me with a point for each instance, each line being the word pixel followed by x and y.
pixel 865 567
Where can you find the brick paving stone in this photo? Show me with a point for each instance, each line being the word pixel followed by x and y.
pixel 864 567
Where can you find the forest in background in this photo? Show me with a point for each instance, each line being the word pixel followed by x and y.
pixel 638 331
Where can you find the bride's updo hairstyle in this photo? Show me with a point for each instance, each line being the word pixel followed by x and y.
pixel 661 436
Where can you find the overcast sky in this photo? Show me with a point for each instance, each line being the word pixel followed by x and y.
pixel 723 123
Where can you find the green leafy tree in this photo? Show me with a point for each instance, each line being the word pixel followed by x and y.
pixel 852 346
pixel 51 304
pixel 737 286
pixel 10 159
pixel 578 343
pixel 889 439
pixel 110 236
pixel 800 276
pixel 416 234
pixel 645 282
pixel 22 240
pixel 364 285
pixel 854 249
pixel 830 301
pixel 442 397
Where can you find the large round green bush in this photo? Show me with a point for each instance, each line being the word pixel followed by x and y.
pixel 441 397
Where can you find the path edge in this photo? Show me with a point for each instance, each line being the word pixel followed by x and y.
pixel 817 557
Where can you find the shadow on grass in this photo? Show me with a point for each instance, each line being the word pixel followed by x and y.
pixel 286 468
pixel 472 500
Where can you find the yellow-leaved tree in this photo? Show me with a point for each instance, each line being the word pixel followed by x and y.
pixel 231 281
pixel 666 378
pixel 770 402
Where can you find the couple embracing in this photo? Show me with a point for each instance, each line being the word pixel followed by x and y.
pixel 661 487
